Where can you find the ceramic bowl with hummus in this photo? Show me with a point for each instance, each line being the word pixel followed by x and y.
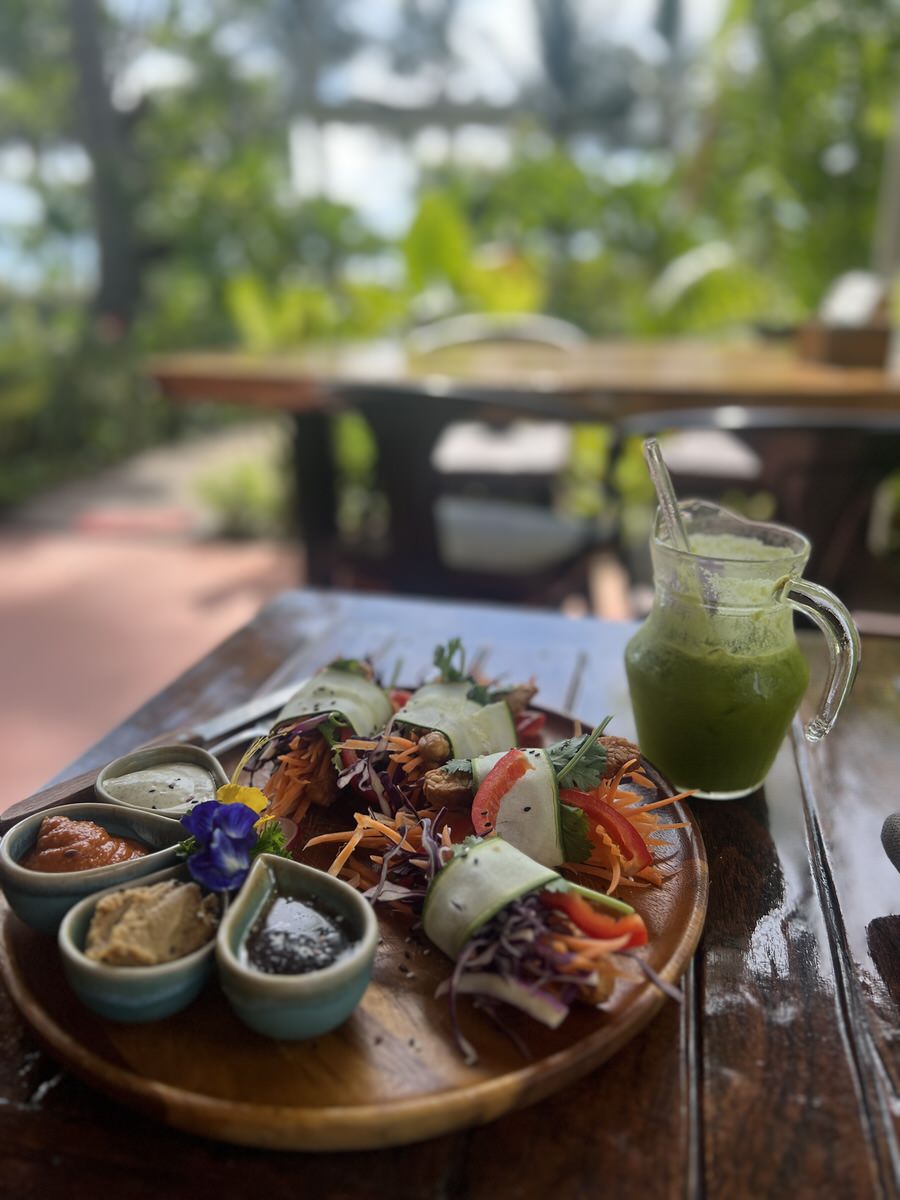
pixel 295 950
pixel 143 951
pixel 169 780
pixel 52 859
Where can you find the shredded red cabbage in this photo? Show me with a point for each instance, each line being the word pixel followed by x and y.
pixel 409 872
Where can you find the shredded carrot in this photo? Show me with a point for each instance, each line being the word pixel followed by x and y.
pixel 324 838
pixel 589 868
pixel 636 801
pixel 595 947
pixel 345 853
pixel 641 780
pixel 303 776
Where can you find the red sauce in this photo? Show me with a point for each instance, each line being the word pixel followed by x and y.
pixel 65 845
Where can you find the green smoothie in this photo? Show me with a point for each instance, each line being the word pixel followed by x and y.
pixel 712 720
pixel 715 672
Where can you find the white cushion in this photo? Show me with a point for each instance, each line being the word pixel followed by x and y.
pixel 501 537
pixel 521 448
pixel 710 452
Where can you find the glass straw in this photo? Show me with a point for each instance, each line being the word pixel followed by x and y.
pixel 665 494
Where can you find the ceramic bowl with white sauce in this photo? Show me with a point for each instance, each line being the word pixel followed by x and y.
pixel 169 780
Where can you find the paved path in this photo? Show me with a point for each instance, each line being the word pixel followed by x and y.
pixel 112 586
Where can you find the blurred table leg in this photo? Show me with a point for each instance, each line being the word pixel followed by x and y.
pixel 316 494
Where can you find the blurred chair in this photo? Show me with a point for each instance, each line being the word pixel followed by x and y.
pixel 512 459
pixel 822 467
pixel 709 462
pixel 473 496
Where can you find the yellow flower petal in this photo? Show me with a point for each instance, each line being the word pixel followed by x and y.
pixel 235 793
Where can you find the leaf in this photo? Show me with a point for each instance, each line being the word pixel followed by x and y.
pixel 271 840
pixel 457 766
pixel 443 660
pixel 580 760
pixel 353 666
pixel 576 838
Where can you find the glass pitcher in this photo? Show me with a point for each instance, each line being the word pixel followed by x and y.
pixel 715 672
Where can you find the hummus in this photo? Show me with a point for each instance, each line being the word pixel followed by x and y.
pixel 177 785
pixel 66 845
pixel 144 926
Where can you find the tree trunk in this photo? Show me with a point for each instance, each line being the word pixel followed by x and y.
pixel 105 140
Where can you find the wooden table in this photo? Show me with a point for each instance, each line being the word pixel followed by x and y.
pixel 827 420
pixel 779 1076
pixel 594 381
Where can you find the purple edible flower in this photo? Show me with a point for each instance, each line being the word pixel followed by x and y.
pixel 224 835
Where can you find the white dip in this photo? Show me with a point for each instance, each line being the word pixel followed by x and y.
pixel 177 785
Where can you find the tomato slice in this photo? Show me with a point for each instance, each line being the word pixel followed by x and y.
pixel 619 828
pixel 399 697
pixel 528 727
pixel 595 923
pixel 499 779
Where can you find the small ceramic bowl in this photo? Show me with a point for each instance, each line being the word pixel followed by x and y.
pixel 295 1006
pixel 42 898
pixel 130 994
pixel 172 797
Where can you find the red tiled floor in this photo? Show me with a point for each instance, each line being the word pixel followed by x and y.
pixel 92 625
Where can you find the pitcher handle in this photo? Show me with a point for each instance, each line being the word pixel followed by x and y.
pixel 842 636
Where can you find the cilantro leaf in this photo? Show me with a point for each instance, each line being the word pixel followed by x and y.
pixel 580 761
pixel 480 694
pixel 457 766
pixel 576 838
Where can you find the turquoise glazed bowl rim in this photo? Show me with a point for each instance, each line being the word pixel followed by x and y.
pixel 154 756
pixel 109 974
pixel 295 987
pixel 61 883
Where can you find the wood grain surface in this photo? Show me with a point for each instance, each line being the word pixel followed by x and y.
pixel 777 1078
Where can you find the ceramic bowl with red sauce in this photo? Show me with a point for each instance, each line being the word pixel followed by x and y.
pixel 41 898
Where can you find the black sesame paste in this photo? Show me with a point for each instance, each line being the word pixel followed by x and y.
pixel 293 937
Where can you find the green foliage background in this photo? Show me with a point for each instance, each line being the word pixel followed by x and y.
pixel 765 196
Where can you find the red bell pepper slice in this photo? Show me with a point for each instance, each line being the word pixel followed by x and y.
pixel 528 727
pixel 498 781
pixel 594 923
pixel 619 828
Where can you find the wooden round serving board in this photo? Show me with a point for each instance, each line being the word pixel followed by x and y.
pixel 392 1074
